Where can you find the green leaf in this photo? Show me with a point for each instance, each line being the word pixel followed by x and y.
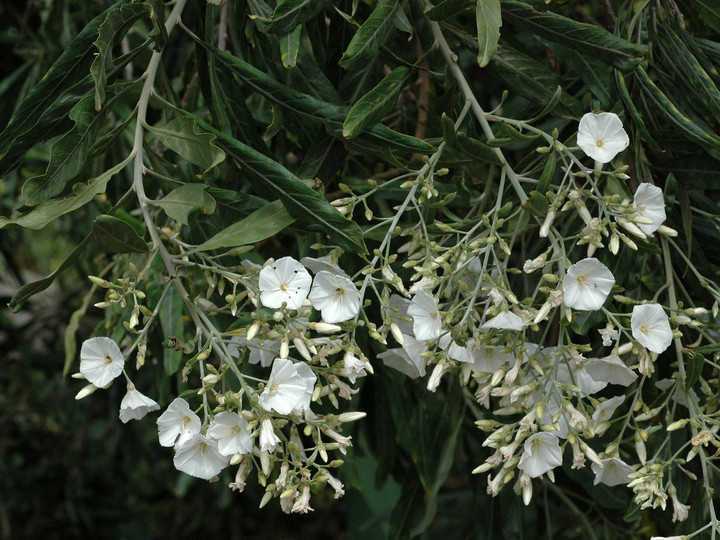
pixel 488 18
pixel 31 289
pixel 477 149
pixel 534 81
pixel 448 129
pixel 117 236
pixel 188 198
pixel 367 40
pixel 694 367
pixel 83 194
pixel 261 224
pixel 289 13
pixel 64 75
pixel 302 202
pixel 180 136
pixel 115 25
pixel 402 23
pixel 685 125
pixel 709 12
pixel 582 37
pixel 289 46
pixel 171 322
pixel 634 113
pixel 71 152
pixel 685 214
pixel 537 204
pixel 331 115
pixel 446 9
pixel 585 320
pixel 548 173
pixel 371 108
pixel 597 75
pixel 71 329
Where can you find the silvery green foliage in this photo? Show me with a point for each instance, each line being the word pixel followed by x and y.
pixel 322 200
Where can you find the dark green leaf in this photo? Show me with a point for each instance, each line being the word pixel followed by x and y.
pixel 686 215
pixel 370 109
pixel 117 236
pixel 367 40
pixel 289 13
pixel 630 107
pixel 585 320
pixel 534 81
pixel 69 70
pixel 710 142
pixel 448 128
pixel 289 46
pixel 181 136
pixel 694 367
pixel 477 149
pixel 488 18
pixel 83 194
pixel 402 23
pixel 188 198
pixel 447 8
pixel 582 37
pixel 171 322
pixel 261 224
pixel 302 202
pixel 537 204
pixel 709 11
pixel 31 289
pixel 597 75
pixel 548 173
pixel 115 25
pixel 70 153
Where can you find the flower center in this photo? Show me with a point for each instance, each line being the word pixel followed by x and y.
pixel 202 448
pixel 273 389
pixel 339 292
pixel 600 142
pixel 108 360
pixel 645 330
pixel 235 429
pixel 581 280
pixel 284 287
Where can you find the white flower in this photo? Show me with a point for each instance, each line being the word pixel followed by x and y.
pixel 284 281
pixel 262 351
pixel 354 367
pixel 315 265
pixel 426 316
pixel 455 351
pixel 505 320
pixel 199 457
pixel 587 285
pixel 542 453
pixel 230 431
pixel 309 378
pixel 570 373
pixel 649 203
pixel 101 361
pixel 601 136
pixel 178 423
pixel 651 327
pixel 268 439
pixel 336 297
pixel 613 472
pixel 135 405
pixel 609 334
pixel 287 387
pixel 489 359
pixel 610 369
pixel 406 359
pixel 607 408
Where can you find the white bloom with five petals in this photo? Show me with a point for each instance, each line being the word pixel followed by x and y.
pixel 285 281
pixel 426 316
pixel 651 327
pixel 649 203
pixel 178 423
pixel 336 297
pixel 101 361
pixel 610 369
pixel 135 405
pixel 231 432
pixel 290 386
pixel 587 285
pixel 505 320
pixel 601 136
pixel 198 456
pixel 542 454
pixel 612 472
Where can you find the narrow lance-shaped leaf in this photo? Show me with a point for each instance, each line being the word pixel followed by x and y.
pixel 489 20
pixel 367 40
pixel 83 194
pixel 303 203
pixel 71 152
pixel 332 115
pixel 588 38
pixel 370 108
pixel 180 136
pixel 117 236
pixel 114 27
pixel 446 9
pixel 261 224
pixel 68 70
pixel 289 13
pixel 289 46
pixel 181 201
